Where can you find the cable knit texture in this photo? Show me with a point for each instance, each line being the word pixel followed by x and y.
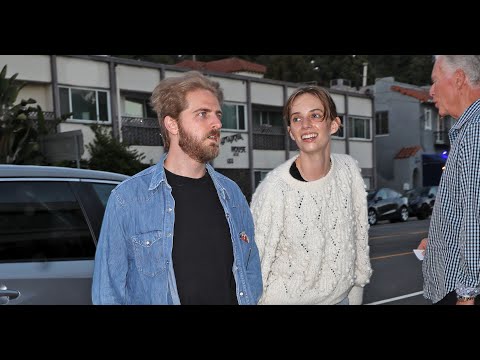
pixel 313 236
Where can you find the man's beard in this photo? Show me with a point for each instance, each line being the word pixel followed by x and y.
pixel 195 148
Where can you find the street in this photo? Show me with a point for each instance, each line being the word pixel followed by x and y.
pixel 397 273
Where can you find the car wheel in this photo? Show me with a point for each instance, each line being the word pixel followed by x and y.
pixel 372 217
pixel 403 214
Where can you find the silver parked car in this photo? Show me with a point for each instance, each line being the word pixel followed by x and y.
pixel 50 219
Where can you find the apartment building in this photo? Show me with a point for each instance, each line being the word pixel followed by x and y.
pixel 411 139
pixel 115 93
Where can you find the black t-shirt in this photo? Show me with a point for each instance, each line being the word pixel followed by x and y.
pixel 202 246
pixel 295 173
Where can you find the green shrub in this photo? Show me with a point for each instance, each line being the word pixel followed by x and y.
pixel 109 154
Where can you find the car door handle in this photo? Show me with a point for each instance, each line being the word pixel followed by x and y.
pixel 6 294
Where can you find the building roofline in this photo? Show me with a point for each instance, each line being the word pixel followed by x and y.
pixel 154 65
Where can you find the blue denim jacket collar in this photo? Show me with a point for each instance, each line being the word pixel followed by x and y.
pixel 159 174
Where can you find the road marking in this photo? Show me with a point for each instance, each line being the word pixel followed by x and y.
pixel 396 235
pixel 395 298
pixel 387 256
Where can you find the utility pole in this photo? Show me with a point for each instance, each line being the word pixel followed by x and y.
pixel 364 79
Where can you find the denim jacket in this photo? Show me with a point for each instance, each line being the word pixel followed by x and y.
pixel 133 261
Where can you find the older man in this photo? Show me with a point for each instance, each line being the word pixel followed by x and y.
pixel 451 268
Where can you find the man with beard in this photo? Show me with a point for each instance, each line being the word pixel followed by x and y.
pixel 179 232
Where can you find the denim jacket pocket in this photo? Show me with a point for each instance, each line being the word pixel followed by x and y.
pixel 149 252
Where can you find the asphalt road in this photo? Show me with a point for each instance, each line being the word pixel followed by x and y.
pixel 397 273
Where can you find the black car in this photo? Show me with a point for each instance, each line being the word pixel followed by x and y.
pixel 386 204
pixel 50 219
pixel 420 201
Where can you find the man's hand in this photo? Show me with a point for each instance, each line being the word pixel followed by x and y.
pixel 468 302
pixel 423 245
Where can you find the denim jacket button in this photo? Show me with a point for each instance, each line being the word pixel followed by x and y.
pixel 169 209
pixel 241 294
pixel 147 243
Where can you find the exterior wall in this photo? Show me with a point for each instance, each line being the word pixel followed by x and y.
pixel 42 93
pixel 267 94
pixel 338 146
pixel 359 106
pixel 170 73
pixel 268 159
pixel 362 151
pixel 250 74
pixel 29 67
pixel 82 73
pixel 339 102
pixel 233 151
pixel 137 78
pixel 404 170
pixel 233 90
pixel 290 90
pixel 152 153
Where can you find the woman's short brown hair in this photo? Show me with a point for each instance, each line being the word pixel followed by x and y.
pixel 322 94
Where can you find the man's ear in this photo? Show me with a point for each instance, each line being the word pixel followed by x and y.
pixel 171 125
pixel 460 78
pixel 290 133
pixel 335 125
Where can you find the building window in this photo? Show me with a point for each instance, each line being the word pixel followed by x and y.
pixel 267 118
pixel 340 132
pixel 138 107
pixel 233 117
pixel 440 134
pixel 428 119
pixel 359 128
pixel 368 182
pixel 85 104
pixel 259 176
pixel 381 123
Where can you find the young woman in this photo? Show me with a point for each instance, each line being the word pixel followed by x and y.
pixel 310 213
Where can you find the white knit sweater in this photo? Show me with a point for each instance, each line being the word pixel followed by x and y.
pixel 313 236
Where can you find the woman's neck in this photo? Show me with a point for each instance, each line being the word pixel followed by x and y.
pixel 314 167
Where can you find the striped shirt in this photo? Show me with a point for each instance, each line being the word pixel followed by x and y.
pixel 452 257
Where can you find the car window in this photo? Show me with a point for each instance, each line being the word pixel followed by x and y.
pixel 42 221
pixel 392 194
pixel 382 193
pixel 103 191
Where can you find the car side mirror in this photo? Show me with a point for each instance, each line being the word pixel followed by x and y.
pixel 430 196
pixel 379 198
